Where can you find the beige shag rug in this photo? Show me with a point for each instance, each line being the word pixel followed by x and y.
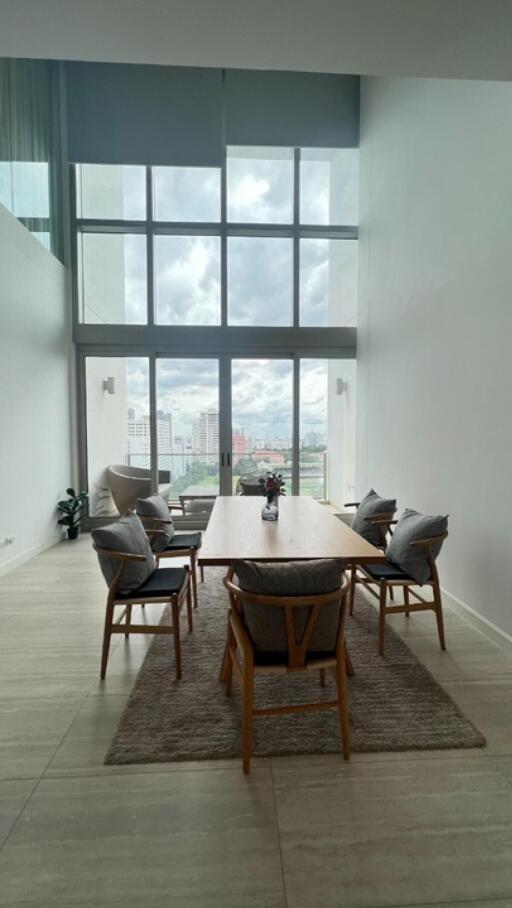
pixel 395 703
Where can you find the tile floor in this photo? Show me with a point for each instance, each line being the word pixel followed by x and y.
pixel 385 830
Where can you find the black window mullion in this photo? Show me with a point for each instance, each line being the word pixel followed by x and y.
pixel 150 275
pixel 223 243
pixel 296 237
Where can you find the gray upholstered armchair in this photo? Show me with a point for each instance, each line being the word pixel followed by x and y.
pixel 126 484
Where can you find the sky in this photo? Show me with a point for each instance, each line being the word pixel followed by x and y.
pixel 261 393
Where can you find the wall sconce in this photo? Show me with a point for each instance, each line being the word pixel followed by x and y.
pixel 109 385
pixel 341 386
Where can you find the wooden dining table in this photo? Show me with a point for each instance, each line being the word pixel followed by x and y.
pixel 305 529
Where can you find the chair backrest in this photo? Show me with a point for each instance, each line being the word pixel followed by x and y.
pixel 301 616
pixel 124 553
pixel 250 484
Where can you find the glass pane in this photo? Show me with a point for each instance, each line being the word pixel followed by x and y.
pixel 260 185
pixel 30 189
pixel 327 429
pixel 6 185
pixel 113 282
pixel 329 186
pixel 188 429
pixel 328 283
pixel 261 400
pixel 260 281
pixel 111 192
pixel 118 437
pixel 186 193
pixel 187 280
pixel 44 238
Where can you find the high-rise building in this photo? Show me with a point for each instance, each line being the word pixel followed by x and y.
pixel 205 434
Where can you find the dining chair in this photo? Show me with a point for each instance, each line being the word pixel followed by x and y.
pixel 372 520
pixel 306 634
pixel 156 515
pixel 133 579
pixel 410 563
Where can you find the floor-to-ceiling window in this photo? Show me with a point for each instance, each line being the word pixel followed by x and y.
pixel 215 299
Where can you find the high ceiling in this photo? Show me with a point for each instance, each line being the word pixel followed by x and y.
pixel 469 39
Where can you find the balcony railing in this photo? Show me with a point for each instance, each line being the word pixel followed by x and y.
pixel 188 468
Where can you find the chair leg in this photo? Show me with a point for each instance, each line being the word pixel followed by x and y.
pixel 189 608
pixel 193 568
pixel 341 680
pixel 248 692
pixel 439 616
pixel 382 617
pixel 107 633
pixel 231 642
pixel 391 594
pixel 176 635
pixel 202 573
pixel 406 602
pixel 321 676
pixel 353 572
pixel 128 620
pixel 348 662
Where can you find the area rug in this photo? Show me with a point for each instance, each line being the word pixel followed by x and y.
pixel 395 703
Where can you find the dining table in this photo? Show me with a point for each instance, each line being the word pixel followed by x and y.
pixel 305 529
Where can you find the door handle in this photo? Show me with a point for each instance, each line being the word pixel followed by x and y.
pixel 222 459
pixel 229 459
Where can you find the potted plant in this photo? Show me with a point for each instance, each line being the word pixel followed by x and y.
pixel 72 511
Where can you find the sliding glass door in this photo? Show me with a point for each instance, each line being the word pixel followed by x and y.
pixel 261 419
pixel 199 426
pixel 187 417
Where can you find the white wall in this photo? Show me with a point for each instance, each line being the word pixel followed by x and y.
pixel 35 430
pixel 434 374
pixel 468 39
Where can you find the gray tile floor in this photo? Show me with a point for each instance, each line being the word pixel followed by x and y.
pixel 385 830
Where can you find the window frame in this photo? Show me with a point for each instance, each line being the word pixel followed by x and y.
pixel 149 227
pixel 154 340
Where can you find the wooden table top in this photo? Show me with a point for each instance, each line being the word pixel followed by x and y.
pixel 305 529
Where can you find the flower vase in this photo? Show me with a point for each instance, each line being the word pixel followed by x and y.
pixel 270 510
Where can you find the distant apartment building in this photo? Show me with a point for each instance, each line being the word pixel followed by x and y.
pixel 205 434
pixel 314 440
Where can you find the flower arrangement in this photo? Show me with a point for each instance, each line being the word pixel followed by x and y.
pixel 274 485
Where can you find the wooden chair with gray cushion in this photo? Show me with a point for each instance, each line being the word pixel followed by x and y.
pixel 373 520
pixel 129 568
pixel 284 619
pixel 155 514
pixel 410 562
pixel 251 484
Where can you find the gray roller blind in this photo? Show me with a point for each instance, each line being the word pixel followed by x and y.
pixel 287 108
pixel 130 114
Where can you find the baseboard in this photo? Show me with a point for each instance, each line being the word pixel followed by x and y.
pixel 486 627
pixel 20 559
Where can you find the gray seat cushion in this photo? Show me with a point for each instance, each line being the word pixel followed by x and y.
pixel 371 505
pixel 157 508
pixel 414 559
pixel 266 623
pixel 126 535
